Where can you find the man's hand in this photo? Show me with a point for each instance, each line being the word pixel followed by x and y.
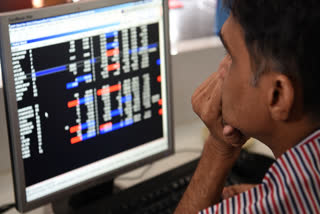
pixel 206 102
pixel 233 190
pixel 220 151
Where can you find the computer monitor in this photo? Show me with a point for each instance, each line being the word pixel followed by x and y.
pixel 87 93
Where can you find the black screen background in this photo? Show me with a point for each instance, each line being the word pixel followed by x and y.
pixel 60 155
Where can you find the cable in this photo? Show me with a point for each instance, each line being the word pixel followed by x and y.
pixel 6 207
pixel 148 167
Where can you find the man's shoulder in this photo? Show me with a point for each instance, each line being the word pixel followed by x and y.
pixel 299 162
pixel 291 184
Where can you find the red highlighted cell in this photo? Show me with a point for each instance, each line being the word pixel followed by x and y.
pixel 110 89
pixel 73 103
pixel 75 140
pixel 160 111
pixel 106 126
pixel 160 102
pixel 113 67
pixel 115 88
pixel 113 52
pixel 159 78
pixel 74 129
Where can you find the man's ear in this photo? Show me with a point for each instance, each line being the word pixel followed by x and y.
pixel 280 97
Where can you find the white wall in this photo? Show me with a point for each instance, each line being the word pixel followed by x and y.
pixel 195 61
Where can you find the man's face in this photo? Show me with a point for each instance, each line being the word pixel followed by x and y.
pixel 243 105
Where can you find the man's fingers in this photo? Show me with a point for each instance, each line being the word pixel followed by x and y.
pixel 214 77
pixel 233 136
pixel 207 104
pixel 228 130
pixel 204 89
pixel 236 189
pixel 211 103
pixel 228 192
pixel 207 98
pixel 209 82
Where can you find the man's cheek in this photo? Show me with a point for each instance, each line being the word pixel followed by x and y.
pixel 224 104
pixel 225 92
pixel 228 101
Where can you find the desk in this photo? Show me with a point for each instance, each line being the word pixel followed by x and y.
pixel 188 141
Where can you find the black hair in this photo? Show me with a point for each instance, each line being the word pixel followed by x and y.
pixel 287 33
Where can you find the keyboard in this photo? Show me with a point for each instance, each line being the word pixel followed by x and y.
pixel 161 194
pixel 157 195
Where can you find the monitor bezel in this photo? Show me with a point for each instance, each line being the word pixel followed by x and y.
pixel 11 105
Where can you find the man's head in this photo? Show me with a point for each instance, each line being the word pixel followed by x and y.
pixel 275 46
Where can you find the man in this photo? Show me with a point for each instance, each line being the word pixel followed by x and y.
pixel 266 87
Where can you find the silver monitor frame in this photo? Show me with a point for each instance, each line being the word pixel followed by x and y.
pixel 11 104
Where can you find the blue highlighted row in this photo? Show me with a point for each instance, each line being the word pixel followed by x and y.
pixel 116 112
pixel 116 44
pixel 155 45
pixel 84 78
pixel 111 34
pixel 79 79
pixel 117 126
pixel 92 61
pixel 159 62
pixel 88 125
pixel 88 135
pixel 126 99
pixel 72 85
pixel 112 45
pixel 51 71
pixel 85 100
pixel 63 34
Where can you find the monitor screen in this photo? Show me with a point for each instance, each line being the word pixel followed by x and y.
pixel 87 93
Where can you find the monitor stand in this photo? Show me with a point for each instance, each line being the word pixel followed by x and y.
pixel 75 202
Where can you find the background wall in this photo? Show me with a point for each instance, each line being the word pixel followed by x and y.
pixel 195 61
